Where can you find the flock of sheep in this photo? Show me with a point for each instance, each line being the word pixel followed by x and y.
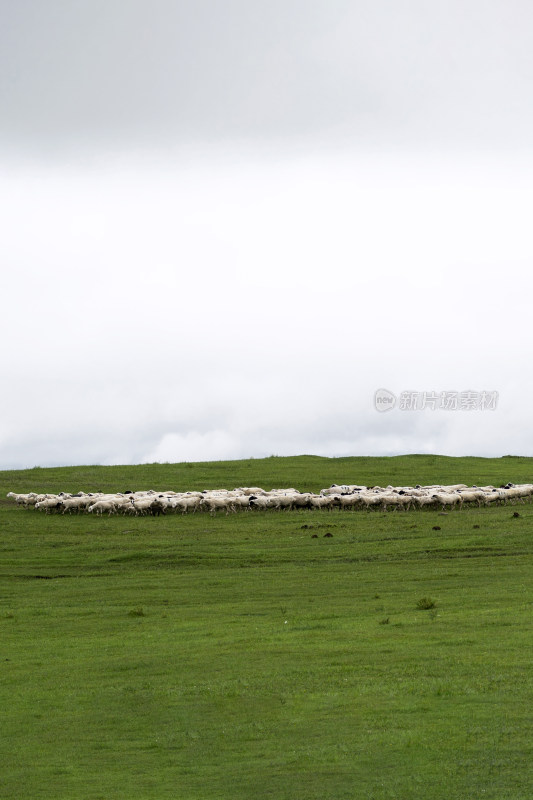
pixel 336 497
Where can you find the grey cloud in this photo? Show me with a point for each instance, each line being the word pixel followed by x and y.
pixel 218 421
pixel 105 74
pixel 165 307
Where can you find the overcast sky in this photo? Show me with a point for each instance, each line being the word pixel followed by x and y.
pixel 226 224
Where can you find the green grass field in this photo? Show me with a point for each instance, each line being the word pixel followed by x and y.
pixel 252 656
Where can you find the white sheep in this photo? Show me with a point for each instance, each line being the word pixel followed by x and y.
pixel 26 499
pixel 48 504
pixel 214 504
pixel 142 504
pixel 262 501
pixel 423 500
pixel 472 496
pixel 319 502
pixel 396 501
pixel 75 503
pixel 346 496
pixel 370 499
pixel 102 505
pixel 187 504
pixel 493 496
pixel 448 499
pixel 242 501
pixel 348 500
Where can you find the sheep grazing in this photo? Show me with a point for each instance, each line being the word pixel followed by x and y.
pixel 424 501
pixel 448 499
pixel 371 499
pixel 334 489
pixel 397 501
pixel 241 501
pixel 518 492
pixel 71 504
pixel 493 497
pixel 20 499
pixel 344 497
pixel 214 504
pixel 261 502
pixel 472 496
pixel 348 500
pixel 48 504
pixel 321 502
pixel 141 505
pixel 102 505
pixel 187 503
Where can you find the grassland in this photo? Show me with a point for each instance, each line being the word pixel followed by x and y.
pixel 267 655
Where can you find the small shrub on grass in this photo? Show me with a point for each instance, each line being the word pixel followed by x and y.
pixel 425 603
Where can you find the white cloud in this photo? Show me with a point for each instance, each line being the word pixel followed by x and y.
pixel 220 303
pixel 213 445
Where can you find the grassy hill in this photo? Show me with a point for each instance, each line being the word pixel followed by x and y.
pixel 305 473
pixel 302 655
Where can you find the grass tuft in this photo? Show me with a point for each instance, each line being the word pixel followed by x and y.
pixel 425 603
